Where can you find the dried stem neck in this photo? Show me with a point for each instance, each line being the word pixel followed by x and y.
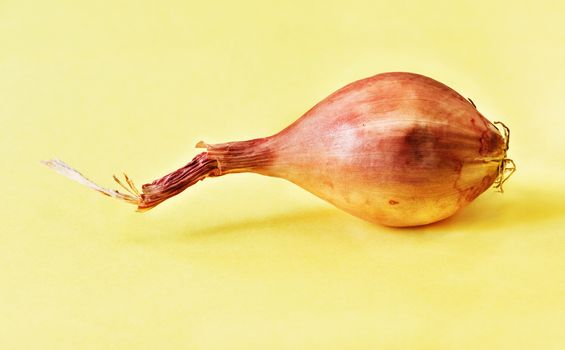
pixel 174 183
pixel 220 159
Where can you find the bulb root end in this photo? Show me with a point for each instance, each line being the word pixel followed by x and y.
pixel 506 166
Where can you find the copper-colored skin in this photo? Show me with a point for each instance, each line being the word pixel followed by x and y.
pixel 398 149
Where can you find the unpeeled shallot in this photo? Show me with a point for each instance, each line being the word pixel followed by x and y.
pixel 399 149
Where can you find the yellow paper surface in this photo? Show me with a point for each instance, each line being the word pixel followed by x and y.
pixel 249 262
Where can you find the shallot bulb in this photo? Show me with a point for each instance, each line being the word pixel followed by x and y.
pixel 399 149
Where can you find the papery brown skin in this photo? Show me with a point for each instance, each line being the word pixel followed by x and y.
pixel 398 149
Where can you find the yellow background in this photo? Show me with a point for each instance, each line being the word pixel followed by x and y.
pixel 249 262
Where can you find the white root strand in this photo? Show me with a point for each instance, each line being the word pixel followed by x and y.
pixel 65 170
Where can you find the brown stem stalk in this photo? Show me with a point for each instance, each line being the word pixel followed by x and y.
pixel 220 159
pixel 174 183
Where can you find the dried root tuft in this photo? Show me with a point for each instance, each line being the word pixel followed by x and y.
pixel 506 166
pixel 132 196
